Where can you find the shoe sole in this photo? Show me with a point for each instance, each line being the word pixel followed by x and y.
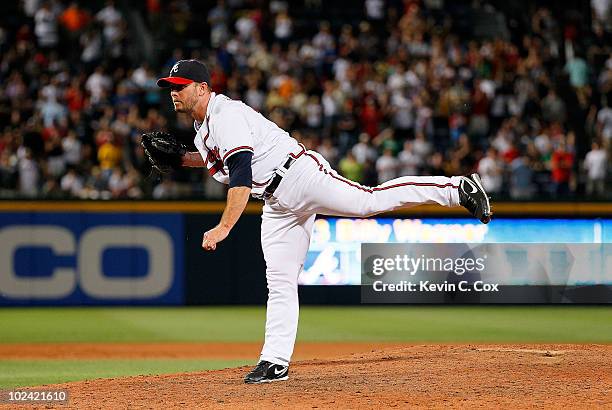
pixel 486 216
pixel 269 380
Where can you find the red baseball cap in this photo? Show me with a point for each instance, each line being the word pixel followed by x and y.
pixel 185 72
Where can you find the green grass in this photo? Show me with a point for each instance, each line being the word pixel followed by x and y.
pixel 580 324
pixel 17 373
pixel 529 324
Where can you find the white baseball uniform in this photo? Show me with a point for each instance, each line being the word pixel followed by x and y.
pixel 309 187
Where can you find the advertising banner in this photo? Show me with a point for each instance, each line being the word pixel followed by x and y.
pixel 91 258
pixel 335 249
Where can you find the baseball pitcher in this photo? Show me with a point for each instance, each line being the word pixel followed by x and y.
pixel 240 147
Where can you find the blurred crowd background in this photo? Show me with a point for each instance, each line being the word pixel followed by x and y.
pixel 517 91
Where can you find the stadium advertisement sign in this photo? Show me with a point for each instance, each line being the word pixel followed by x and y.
pixel 91 258
pixel 334 256
pixel 154 258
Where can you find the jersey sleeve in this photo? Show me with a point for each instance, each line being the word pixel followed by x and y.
pixel 233 134
pixel 240 171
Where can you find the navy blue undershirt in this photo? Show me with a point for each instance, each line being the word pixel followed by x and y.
pixel 240 172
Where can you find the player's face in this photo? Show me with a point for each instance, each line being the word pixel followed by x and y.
pixel 184 97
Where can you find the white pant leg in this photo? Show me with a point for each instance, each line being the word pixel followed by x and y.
pixel 285 238
pixel 315 187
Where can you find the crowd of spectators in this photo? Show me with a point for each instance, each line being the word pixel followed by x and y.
pixel 395 88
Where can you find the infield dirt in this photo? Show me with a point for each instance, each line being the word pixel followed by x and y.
pixel 374 376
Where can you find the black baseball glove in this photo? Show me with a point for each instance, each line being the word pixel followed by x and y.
pixel 163 151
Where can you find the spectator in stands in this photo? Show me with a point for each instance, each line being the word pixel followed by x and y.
pixel 521 178
pixel 562 162
pixel 46 26
pixel 117 183
pixel 113 31
pixel 91 43
pixel 553 107
pixel 96 186
pixel 218 21
pixel 363 151
pixel 246 26
pixel 328 151
pixel 74 20
pixel 110 156
pixel 167 189
pixel 51 110
pixel 350 168
pixel 72 183
pixel 422 147
pixel 596 164
pixel 8 171
pixel 604 124
pixel 360 87
pixel 409 162
pixel 283 27
pixel 387 166
pixel 578 71
pixel 29 174
pixel 132 183
pixel 72 149
pixel 490 169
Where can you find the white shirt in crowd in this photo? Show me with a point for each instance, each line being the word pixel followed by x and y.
pixel 396 81
pixel 72 183
pixel 245 27
pixel 604 117
pixel 375 9
pixel 323 41
pixel 92 46
pixel 31 6
pixel 50 91
pixel 490 171
pixel 596 164
pixel 45 27
pixel 28 177
pixel 72 150
pixel 314 114
pixel 117 181
pixel 386 166
pixel 363 152
pixel 340 69
pixel 140 76
pixel 167 189
pixel 403 116
pixel 255 99
pixel 601 9
pixel 97 84
pixel 422 148
pixel 543 144
pixel 110 17
pixel 409 162
pixel 284 27
pixel 330 105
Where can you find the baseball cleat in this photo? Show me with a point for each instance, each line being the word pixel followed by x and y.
pixel 473 197
pixel 266 372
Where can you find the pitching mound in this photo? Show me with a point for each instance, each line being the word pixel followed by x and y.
pixel 489 376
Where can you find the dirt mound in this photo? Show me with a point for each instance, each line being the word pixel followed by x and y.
pixel 434 376
pixel 226 350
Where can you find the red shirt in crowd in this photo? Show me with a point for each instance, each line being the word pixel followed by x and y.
pixel 370 118
pixel 74 19
pixel 562 162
